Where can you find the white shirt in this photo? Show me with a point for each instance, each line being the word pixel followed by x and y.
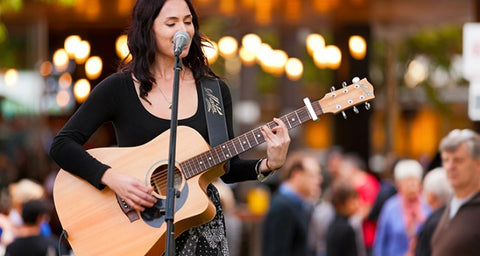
pixel 456 203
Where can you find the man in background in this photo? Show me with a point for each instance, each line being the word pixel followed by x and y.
pixel 30 240
pixel 285 229
pixel 457 232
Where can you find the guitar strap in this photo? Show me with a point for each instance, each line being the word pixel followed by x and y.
pixel 214 112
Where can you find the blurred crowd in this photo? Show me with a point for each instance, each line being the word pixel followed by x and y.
pixel 319 203
pixel 403 208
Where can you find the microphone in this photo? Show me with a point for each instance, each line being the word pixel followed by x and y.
pixel 180 40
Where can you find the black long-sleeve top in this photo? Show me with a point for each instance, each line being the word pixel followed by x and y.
pixel 115 100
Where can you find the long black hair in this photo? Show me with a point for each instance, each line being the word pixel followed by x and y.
pixel 142 45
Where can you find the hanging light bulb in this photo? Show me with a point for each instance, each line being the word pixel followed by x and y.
pixel 93 67
pixel 358 47
pixel 227 46
pixel 294 69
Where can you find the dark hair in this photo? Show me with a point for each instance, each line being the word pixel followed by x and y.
pixel 142 45
pixel 33 209
pixel 294 163
pixel 341 192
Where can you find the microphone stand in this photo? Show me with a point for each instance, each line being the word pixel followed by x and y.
pixel 171 191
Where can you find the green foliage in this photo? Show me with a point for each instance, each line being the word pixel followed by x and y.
pixel 8 49
pixel 439 44
pixel 10 5
pixel 3 33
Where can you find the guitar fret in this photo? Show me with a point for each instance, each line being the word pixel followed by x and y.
pixel 296 113
pixel 232 148
pixel 185 168
pixel 235 147
pixel 306 115
pixel 194 166
pixel 240 144
pixel 210 158
pixel 250 138
pixel 208 164
pixel 288 122
pixel 198 160
pixel 201 161
pixel 218 152
pixel 317 108
pixel 221 153
pixel 226 154
pixel 188 168
pixel 245 141
pixel 255 136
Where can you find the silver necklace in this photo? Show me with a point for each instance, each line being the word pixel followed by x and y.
pixel 165 97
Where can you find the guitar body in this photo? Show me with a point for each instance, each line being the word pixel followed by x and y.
pixel 94 220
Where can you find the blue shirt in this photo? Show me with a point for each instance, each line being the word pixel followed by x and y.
pixel 391 236
pixel 287 191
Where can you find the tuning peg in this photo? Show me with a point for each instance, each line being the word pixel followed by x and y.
pixel 344 115
pixel 355 109
pixel 355 79
pixel 332 89
pixel 367 105
pixel 344 84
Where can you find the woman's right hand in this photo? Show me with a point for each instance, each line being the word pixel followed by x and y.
pixel 130 189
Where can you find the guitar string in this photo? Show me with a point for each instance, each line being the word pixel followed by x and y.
pixel 230 145
pixel 301 113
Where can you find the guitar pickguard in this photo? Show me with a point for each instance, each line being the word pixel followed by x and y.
pixel 155 215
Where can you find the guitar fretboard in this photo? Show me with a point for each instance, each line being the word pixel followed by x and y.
pixel 242 143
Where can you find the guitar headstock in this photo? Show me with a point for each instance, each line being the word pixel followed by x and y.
pixel 347 97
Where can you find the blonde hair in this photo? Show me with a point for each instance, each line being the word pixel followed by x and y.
pixel 25 190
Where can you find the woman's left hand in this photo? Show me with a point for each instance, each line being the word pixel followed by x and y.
pixel 278 141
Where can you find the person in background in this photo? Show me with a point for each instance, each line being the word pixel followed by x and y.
pixel 353 169
pixel 403 214
pixel 286 224
pixel 323 211
pixel 322 215
pixel 437 193
pixel 458 231
pixel 387 189
pixel 233 224
pixel 333 161
pixel 21 192
pixel 341 237
pixel 29 240
pixel 137 101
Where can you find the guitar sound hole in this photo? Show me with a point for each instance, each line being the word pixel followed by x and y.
pixel 159 180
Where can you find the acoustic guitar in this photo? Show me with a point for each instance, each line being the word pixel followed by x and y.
pixel 97 222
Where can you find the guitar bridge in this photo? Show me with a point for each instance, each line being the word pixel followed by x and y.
pixel 127 210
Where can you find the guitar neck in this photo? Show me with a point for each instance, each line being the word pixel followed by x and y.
pixel 333 102
pixel 242 143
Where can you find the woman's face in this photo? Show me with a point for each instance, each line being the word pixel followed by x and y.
pixel 174 16
pixel 410 187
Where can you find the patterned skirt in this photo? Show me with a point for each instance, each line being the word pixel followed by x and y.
pixel 208 239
